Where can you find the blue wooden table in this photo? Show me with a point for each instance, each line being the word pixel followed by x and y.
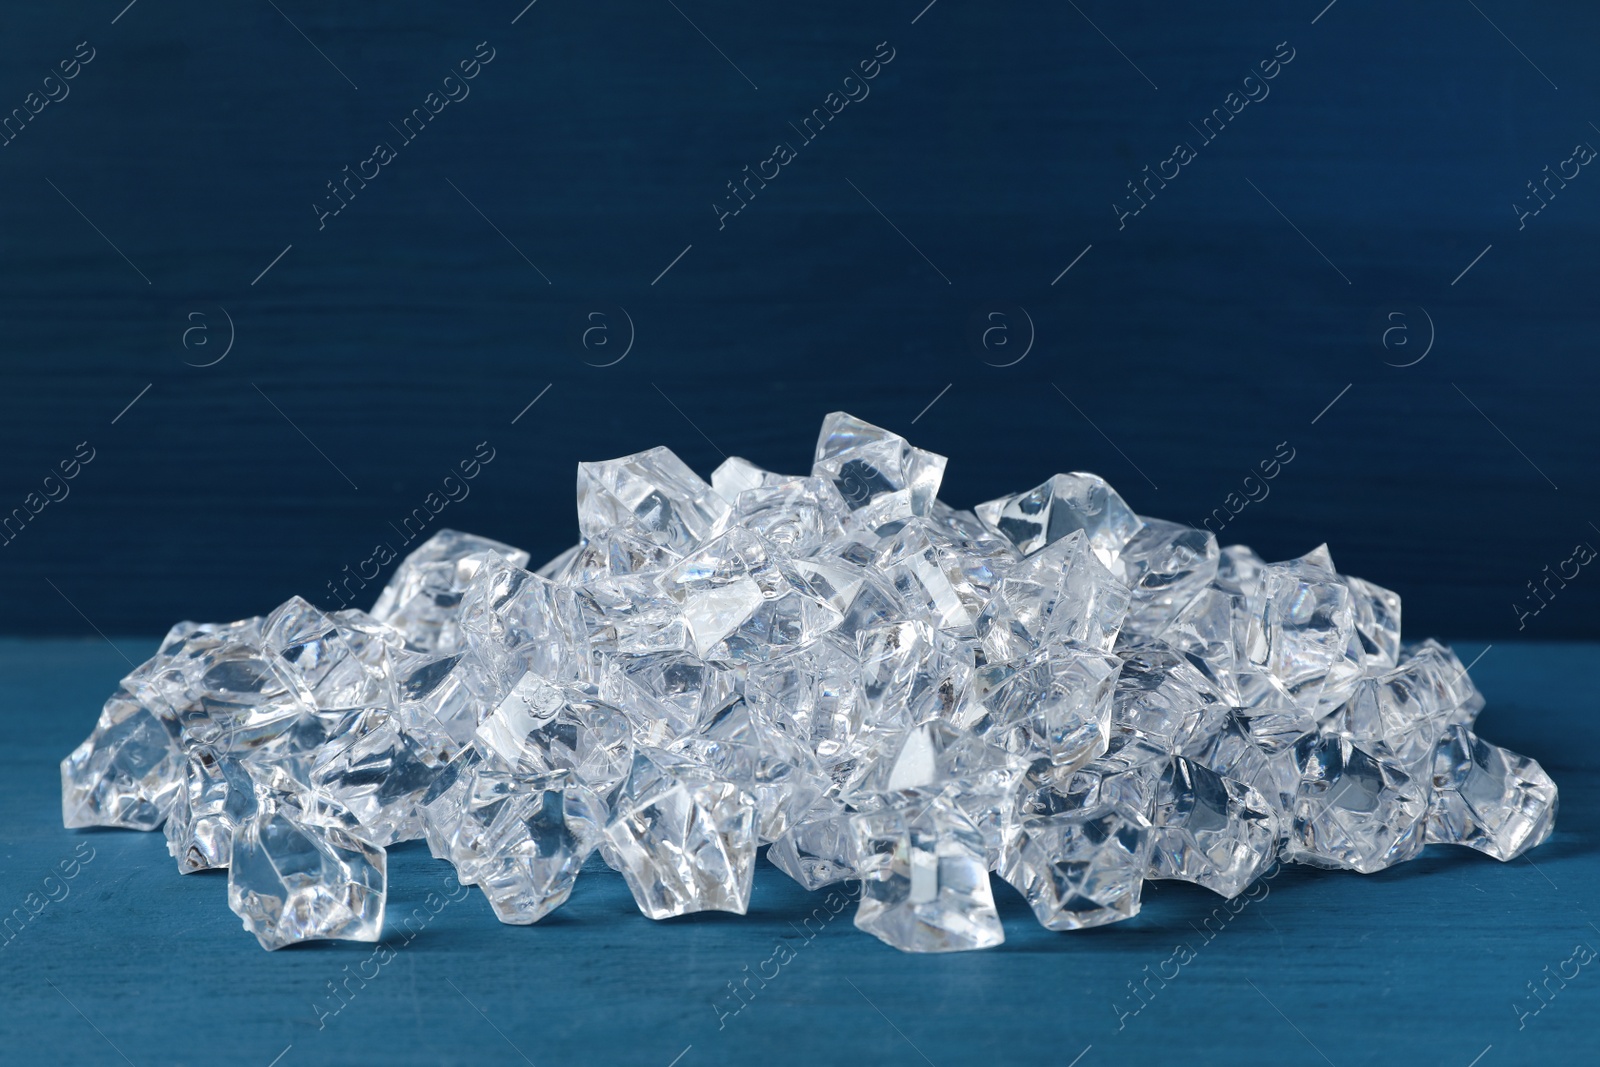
pixel 117 958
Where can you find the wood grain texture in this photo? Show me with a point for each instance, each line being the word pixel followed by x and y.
pixel 1423 963
pixel 1191 340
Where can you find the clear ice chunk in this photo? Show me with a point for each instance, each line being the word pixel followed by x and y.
pixel 1489 798
pixel 1211 830
pixel 1067 502
pixel 741 602
pixel 881 477
pixel 523 840
pixel 1376 612
pixel 813 693
pixel 1056 704
pixel 683 838
pixel 337 660
pixel 435 702
pixel 799 516
pixel 422 599
pixel 653 492
pixel 924 876
pixel 296 879
pixel 127 773
pixel 380 774
pixel 540 728
pixel 1079 861
pixel 1303 631
pixel 515 621
pixel 1061 592
pixel 945 580
pixel 217 795
pixel 1355 809
pixel 1166 565
pixel 780 772
pixel 939 757
pixel 819 849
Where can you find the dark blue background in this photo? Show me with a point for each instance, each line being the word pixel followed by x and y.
pixel 1196 338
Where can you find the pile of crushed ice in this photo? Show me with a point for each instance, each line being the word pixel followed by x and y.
pixel 838 666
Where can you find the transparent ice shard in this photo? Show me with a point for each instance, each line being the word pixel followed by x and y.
pixel 380 774
pixel 881 477
pixel 215 685
pixel 423 597
pixel 939 757
pixel 798 516
pixel 541 728
pixel 1211 830
pixel 780 772
pixel 1376 612
pixel 664 695
pixel 924 876
pixel 944 579
pixel 1355 809
pixel 1162 706
pixel 337 660
pixel 819 848
pixel 1057 704
pixel 1270 769
pixel 653 492
pixel 1489 798
pixel 741 601
pixel 1166 565
pixel 216 796
pixel 1061 592
pixel 293 879
pixel 1079 860
pixel 899 663
pixel 814 694
pixel 683 838
pixel 523 840
pixel 1303 632
pixel 435 701
pixel 1067 502
pixel 127 773
pixel 515 621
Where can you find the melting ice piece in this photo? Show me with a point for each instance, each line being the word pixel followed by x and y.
pixel 683 838
pixel 297 879
pixel 423 597
pixel 1489 798
pixel 924 876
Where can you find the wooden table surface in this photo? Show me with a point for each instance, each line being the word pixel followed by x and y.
pixel 1426 963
